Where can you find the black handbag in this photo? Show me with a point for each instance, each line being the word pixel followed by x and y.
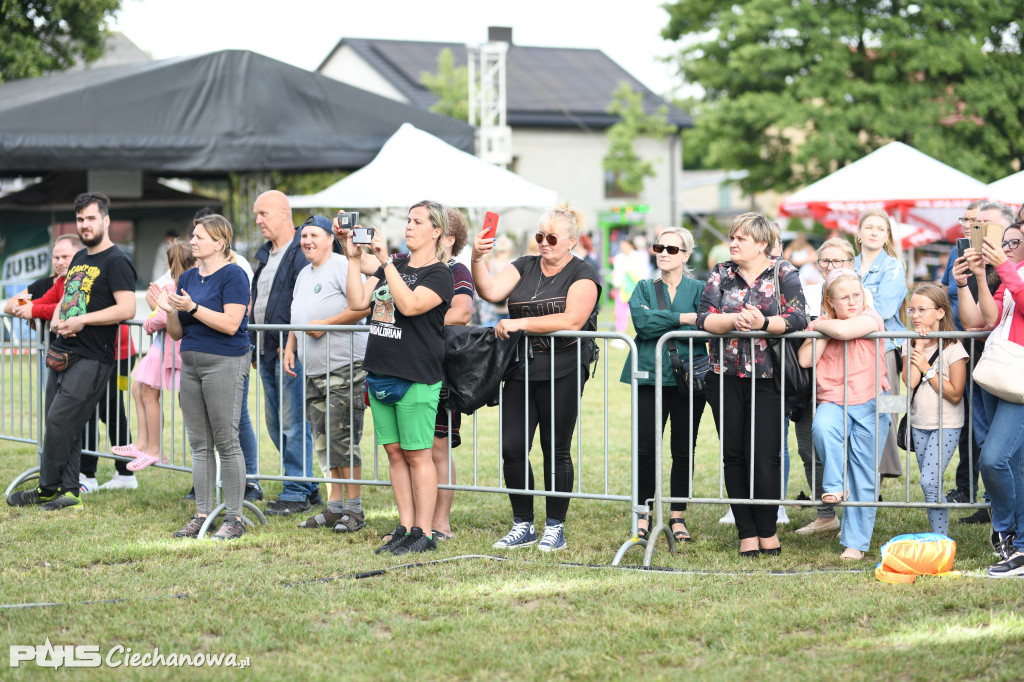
pixel 903 439
pixel 475 363
pixel 799 380
pixel 696 367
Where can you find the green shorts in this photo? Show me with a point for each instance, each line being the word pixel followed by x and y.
pixel 410 421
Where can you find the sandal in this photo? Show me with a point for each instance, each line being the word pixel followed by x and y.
pixel 141 462
pixel 325 518
pixel 126 450
pixel 682 534
pixel 851 554
pixel 350 522
pixel 438 535
pixel 643 533
pixel 834 498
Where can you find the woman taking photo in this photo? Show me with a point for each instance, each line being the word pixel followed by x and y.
pixel 1000 464
pixel 553 291
pixel 659 306
pixel 845 434
pixel 404 362
pixel 885 279
pixel 208 315
pixel 740 296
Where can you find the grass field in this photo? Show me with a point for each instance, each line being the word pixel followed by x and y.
pixel 317 605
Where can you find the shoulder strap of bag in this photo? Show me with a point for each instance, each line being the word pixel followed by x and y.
pixel 673 352
pixel 931 361
pixel 778 289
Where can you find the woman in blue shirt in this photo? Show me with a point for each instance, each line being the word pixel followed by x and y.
pixel 208 314
pixel 676 311
pixel 885 277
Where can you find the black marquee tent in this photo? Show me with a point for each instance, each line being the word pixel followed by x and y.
pixel 229 111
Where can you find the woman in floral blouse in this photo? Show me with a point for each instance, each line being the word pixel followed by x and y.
pixel 740 296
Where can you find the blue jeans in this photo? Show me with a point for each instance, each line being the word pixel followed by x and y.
pixel 284 393
pixel 247 435
pixel 865 444
pixel 1002 469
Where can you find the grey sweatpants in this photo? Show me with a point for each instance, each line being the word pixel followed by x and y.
pixel 211 404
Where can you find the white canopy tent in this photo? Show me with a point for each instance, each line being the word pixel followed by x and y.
pixel 414 165
pixel 1009 190
pixel 911 186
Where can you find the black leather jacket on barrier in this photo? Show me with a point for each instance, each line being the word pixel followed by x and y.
pixel 279 305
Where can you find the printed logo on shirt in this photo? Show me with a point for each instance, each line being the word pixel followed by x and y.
pixel 383 318
pixel 77 289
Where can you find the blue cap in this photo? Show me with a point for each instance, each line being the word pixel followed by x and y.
pixel 325 225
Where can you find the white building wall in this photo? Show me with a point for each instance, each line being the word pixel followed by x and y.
pixel 347 66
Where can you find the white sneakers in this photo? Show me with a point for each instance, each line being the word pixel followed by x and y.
pixel 119 482
pixel 783 517
pixel 87 485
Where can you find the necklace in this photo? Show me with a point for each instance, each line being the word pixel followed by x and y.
pixel 542 282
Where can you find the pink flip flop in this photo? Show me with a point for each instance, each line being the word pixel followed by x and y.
pixel 141 462
pixel 126 450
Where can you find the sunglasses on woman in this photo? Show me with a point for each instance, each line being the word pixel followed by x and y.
pixel 540 237
pixel 672 250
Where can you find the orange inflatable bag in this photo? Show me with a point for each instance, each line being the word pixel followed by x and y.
pixel 907 556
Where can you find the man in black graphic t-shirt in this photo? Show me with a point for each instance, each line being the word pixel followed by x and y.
pixel 99 294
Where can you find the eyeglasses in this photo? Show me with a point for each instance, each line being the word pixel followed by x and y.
pixel 1012 243
pixel 914 312
pixel 540 237
pixel 672 250
pixel 967 222
pixel 833 262
pixel 852 298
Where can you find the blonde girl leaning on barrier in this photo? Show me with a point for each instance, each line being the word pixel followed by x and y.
pixel 851 436
pixel 885 278
pixel 834 254
pixel 931 311
pixel 651 320
pixel 404 363
pixel 740 296
pixel 553 291
pixel 207 313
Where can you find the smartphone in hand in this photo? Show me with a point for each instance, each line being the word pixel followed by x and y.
pixel 490 225
pixel 962 245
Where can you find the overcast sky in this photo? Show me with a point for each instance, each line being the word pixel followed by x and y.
pixel 302 32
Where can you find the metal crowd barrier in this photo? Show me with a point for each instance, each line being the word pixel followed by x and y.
pixel 22 418
pixel 891 404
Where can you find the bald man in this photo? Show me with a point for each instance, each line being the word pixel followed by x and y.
pixel 278 263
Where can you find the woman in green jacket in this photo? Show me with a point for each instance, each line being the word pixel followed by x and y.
pixel 652 318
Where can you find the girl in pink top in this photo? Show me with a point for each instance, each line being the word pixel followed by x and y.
pixel 846 426
pixel 160 369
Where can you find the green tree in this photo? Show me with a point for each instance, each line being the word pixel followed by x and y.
pixel 451 85
pixel 39 36
pixel 631 170
pixel 797 88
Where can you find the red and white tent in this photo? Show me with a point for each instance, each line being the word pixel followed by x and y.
pixel 911 186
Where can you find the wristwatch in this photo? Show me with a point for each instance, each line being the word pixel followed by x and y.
pixel 193 311
pixel 389 261
pixel 765 327
pixel 929 374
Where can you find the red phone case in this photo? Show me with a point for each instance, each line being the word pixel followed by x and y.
pixel 490 225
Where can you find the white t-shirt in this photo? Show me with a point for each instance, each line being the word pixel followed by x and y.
pixel 924 409
pixel 266 283
pixel 320 294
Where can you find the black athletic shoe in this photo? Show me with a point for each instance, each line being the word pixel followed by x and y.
pixel 253 491
pixel 64 500
pixel 190 495
pixel 315 499
pixel 1012 567
pixel 286 507
pixel 980 516
pixel 416 542
pixel 398 536
pixel 29 498
pixel 957 497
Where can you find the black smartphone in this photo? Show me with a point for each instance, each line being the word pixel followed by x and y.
pixel 348 219
pixel 962 245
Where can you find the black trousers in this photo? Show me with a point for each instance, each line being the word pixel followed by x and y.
pixel 71 396
pixel 677 406
pixel 111 411
pixel 524 408
pixel 967 468
pixel 740 456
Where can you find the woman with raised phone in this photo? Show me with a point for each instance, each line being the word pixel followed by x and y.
pixel 844 427
pixel 404 361
pixel 207 313
pixel 553 291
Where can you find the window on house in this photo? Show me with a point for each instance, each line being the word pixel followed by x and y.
pixel 612 188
